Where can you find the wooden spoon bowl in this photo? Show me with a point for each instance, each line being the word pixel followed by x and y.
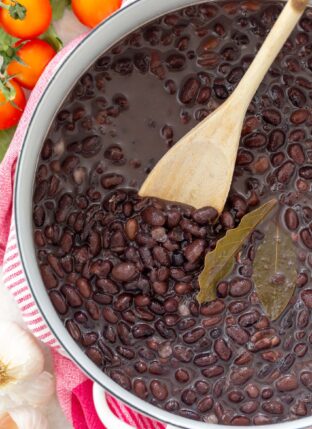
pixel 198 170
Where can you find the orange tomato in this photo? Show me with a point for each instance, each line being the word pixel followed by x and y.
pixel 36 21
pixel 92 12
pixel 9 114
pixel 36 54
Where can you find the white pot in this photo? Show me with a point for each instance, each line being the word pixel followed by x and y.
pixel 97 42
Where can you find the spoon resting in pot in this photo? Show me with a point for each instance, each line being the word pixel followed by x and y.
pixel 198 170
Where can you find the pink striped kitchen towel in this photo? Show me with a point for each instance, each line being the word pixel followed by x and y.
pixel 74 389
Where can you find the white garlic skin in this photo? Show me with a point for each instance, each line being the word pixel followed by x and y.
pixel 28 418
pixel 36 392
pixel 20 353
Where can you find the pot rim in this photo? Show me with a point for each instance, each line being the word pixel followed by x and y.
pixel 74 65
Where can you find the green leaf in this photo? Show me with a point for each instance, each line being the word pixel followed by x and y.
pixel 220 261
pixel 275 270
pixel 7 89
pixel 6 41
pixel 58 8
pixel 5 140
pixel 51 37
pixel 8 52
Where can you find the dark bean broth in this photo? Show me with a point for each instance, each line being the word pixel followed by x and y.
pixel 122 271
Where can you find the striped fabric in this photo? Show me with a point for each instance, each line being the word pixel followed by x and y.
pixel 15 281
pixel 131 417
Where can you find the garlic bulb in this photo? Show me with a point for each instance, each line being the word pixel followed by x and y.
pixel 23 418
pixel 33 392
pixel 20 357
pixel 6 422
pixel 22 380
pixel 5 404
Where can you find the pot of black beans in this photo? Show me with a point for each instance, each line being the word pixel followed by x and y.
pixel 116 275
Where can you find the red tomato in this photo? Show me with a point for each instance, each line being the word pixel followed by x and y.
pixel 36 54
pixel 92 12
pixel 10 115
pixel 36 21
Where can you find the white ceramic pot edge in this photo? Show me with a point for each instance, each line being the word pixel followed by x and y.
pixel 105 414
pixel 98 41
pixel 111 421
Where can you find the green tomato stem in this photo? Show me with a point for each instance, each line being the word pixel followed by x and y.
pixel 4 6
pixel 7 89
pixel 16 10
pixel 51 37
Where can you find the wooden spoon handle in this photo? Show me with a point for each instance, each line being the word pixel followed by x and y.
pixel 300 4
pixel 277 37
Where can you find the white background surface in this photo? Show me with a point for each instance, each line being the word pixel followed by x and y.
pixel 68 28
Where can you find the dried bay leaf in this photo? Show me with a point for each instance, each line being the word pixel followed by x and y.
pixel 274 270
pixel 220 261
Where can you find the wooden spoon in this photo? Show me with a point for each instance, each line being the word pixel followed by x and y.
pixel 198 170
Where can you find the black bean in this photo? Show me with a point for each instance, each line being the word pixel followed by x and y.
pixel 213 371
pixel 220 90
pixel 161 255
pixel 285 172
pixel 107 286
pixel 297 97
pixel 205 404
pixel 159 390
pixel 205 215
pixel 95 355
pixel 193 336
pixel 193 251
pixel 189 397
pixel 306 172
pixel 291 219
pixel 273 407
pixel 183 354
pixel 241 375
pixel 306 237
pixel 73 329
pixel 140 389
pixel 124 272
pixel 238 335
pixel 121 378
pixel 142 330
pixel 189 91
pixel 58 302
pixel 222 349
pixel 182 376
pixel 240 287
pixel 205 359
pixel 271 116
pixel 49 279
pixel 72 296
pixel 276 140
pixel 299 116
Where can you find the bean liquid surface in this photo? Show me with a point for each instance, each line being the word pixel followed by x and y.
pixel 122 271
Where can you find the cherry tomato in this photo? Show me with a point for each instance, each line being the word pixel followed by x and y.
pixel 92 12
pixel 36 21
pixel 9 114
pixel 36 54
